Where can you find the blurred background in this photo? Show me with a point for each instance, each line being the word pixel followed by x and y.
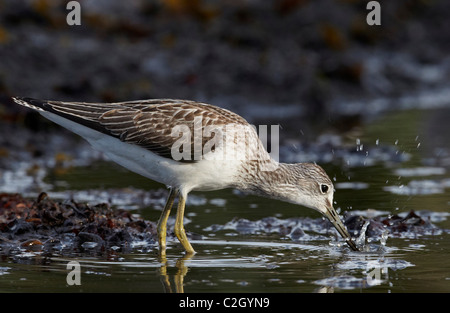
pixel 316 68
pixel 278 58
pixel 371 104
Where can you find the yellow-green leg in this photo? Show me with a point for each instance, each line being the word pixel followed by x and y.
pixel 179 227
pixel 162 223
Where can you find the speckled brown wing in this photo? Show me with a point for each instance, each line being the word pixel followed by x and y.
pixel 147 123
pixel 151 125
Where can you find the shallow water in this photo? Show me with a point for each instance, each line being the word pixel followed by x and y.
pixel 398 163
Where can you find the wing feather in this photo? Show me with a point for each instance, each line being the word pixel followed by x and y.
pixel 147 123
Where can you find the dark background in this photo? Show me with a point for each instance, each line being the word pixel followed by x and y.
pixel 297 61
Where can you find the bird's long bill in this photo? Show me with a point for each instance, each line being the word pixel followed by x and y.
pixel 334 218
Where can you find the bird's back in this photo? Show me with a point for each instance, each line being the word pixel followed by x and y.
pixel 147 123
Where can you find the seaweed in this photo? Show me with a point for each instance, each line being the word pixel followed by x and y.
pixel 51 227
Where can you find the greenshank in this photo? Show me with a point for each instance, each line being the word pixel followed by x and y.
pixel 189 146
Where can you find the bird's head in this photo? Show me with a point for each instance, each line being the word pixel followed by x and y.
pixel 308 185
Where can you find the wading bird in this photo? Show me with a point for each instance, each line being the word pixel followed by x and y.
pixel 157 139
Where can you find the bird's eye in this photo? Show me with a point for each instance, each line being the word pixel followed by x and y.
pixel 324 188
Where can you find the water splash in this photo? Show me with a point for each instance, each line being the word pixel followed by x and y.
pixel 359 146
pixel 361 240
pixel 384 237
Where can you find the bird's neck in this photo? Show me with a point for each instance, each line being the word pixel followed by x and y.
pixel 265 179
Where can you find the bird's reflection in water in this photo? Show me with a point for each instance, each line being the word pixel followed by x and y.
pixel 178 278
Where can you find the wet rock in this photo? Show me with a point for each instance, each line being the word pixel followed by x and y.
pixel 297 234
pixel 411 224
pixel 19 227
pixel 90 238
pixel 354 223
pixel 121 237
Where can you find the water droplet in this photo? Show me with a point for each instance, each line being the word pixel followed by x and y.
pixel 359 146
pixel 384 237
